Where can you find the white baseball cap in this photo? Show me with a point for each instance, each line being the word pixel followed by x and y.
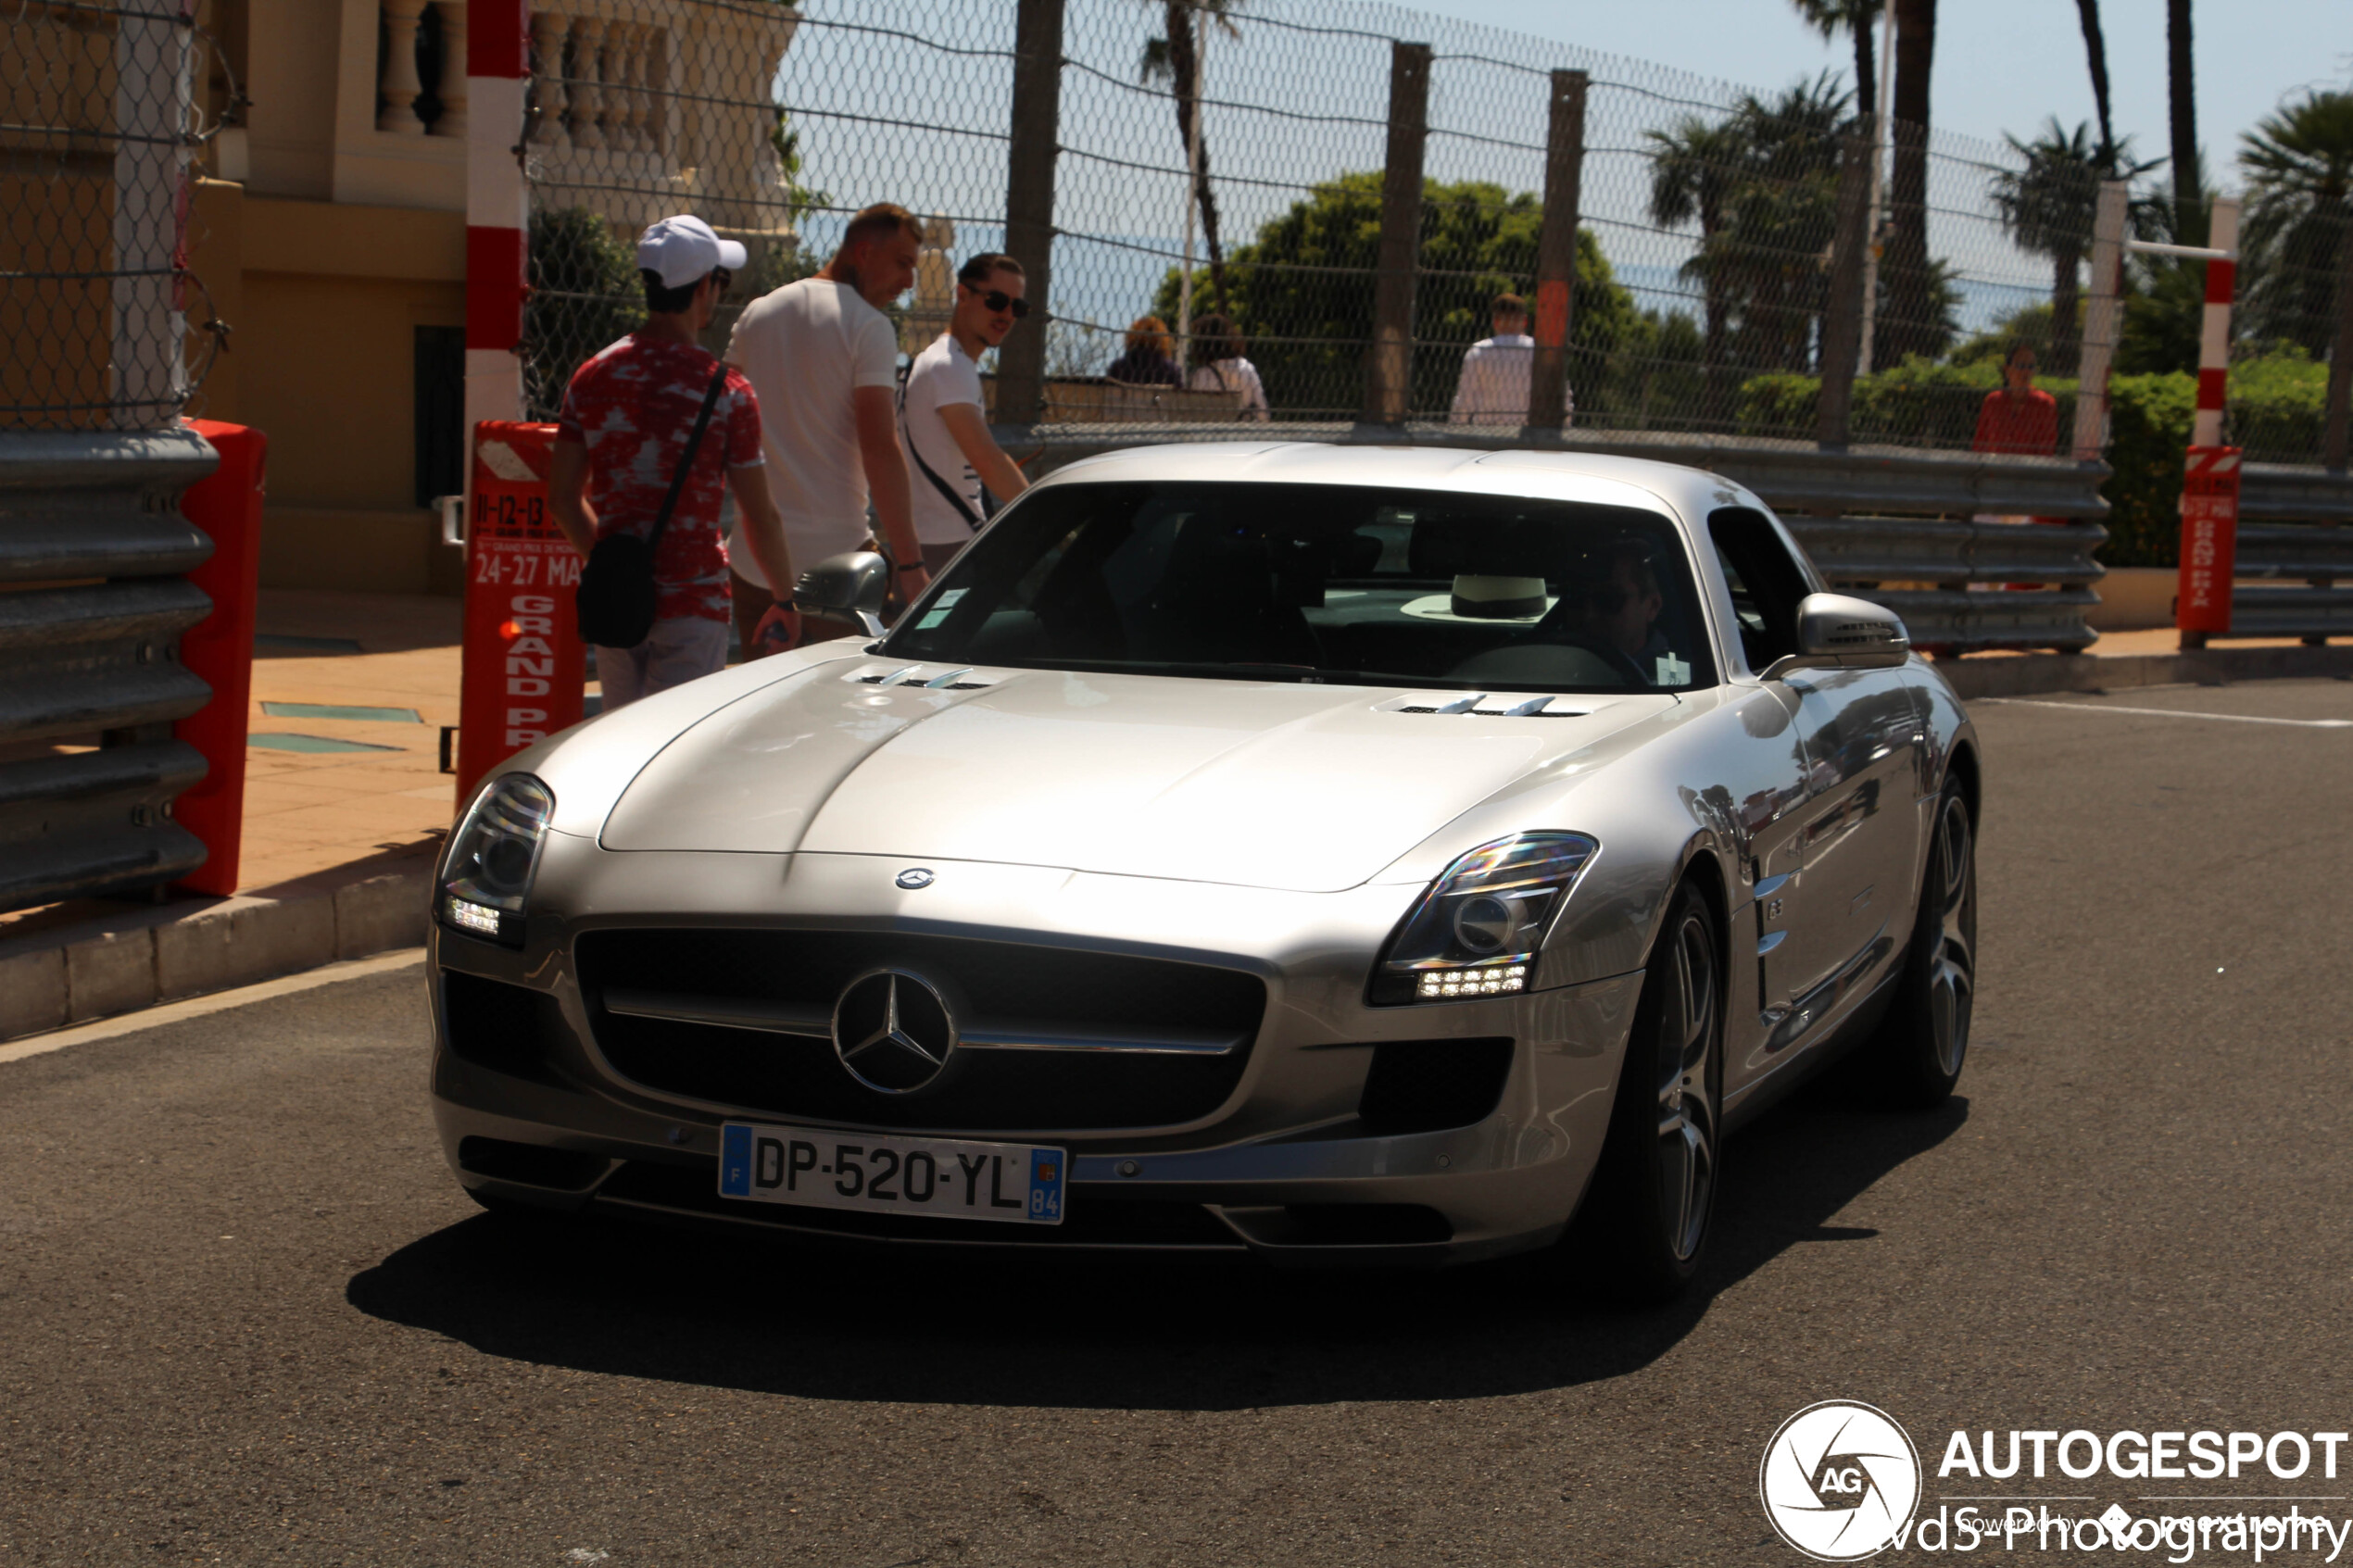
pixel 683 250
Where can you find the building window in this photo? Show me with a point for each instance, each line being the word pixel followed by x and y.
pixel 440 412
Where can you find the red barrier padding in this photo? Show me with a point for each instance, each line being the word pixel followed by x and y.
pixel 524 663
pixel 227 507
pixel 2209 539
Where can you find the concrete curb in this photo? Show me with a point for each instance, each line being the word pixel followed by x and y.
pixel 2037 673
pixel 121 963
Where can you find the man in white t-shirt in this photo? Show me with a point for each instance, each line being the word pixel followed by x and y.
pixel 821 354
pixel 941 416
pixel 1496 370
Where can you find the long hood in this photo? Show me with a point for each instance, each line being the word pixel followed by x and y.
pixel 1309 788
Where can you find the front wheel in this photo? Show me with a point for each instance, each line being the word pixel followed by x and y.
pixel 1655 1190
pixel 1924 1039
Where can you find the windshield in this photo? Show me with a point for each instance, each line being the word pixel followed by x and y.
pixel 1350 585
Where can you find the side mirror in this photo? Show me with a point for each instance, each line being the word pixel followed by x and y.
pixel 849 586
pixel 1837 632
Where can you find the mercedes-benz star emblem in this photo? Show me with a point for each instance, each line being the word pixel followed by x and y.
pixel 892 1030
pixel 914 877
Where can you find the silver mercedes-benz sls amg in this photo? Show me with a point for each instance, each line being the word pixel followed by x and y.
pixel 1339 853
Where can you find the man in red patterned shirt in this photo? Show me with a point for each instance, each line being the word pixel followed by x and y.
pixel 621 434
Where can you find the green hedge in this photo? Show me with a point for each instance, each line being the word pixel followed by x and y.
pixel 2277 403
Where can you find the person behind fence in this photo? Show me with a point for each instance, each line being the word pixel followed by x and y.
pixel 825 360
pixel 654 423
pixel 1223 369
pixel 1150 360
pixel 2017 418
pixel 1493 388
pixel 941 416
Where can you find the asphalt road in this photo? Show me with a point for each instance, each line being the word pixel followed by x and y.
pixel 246 1317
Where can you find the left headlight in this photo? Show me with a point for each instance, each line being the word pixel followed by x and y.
pixel 1476 931
pixel 486 876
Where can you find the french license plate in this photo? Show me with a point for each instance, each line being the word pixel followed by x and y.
pixel 940 1177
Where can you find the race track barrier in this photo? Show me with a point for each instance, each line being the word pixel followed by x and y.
pixel 92 602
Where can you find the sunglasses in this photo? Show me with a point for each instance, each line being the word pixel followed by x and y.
pixel 997 299
pixel 724 277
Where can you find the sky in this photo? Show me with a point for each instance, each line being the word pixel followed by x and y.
pixel 2001 65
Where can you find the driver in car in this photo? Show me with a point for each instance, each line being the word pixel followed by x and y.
pixel 1619 611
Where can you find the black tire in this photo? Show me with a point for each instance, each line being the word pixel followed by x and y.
pixel 1645 1223
pixel 1922 1044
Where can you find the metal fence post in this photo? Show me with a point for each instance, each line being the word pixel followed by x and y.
pixel 1389 362
pixel 2103 314
pixel 1843 320
pixel 1029 202
pixel 1556 254
pixel 2332 443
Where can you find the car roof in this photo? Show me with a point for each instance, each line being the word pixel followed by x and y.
pixel 1591 477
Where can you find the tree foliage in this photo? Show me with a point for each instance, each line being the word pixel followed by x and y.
pixel 2298 164
pixel 2049 208
pixel 1300 294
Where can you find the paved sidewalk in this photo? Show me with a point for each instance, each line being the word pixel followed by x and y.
pixel 310 807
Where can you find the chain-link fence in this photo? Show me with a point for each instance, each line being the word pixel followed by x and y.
pixel 1219 202
pixel 98 121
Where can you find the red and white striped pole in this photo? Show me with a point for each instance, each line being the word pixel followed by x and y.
pixel 2211 472
pixel 2214 344
pixel 497 210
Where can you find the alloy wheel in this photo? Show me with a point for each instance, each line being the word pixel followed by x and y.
pixel 1951 982
pixel 1687 1110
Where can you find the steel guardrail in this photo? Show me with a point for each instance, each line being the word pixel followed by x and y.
pixel 92 607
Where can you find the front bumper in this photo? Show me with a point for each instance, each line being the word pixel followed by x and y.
pixel 1286 1168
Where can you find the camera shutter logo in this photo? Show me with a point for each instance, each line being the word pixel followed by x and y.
pixel 1840 1481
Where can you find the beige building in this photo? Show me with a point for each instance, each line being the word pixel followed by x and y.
pixel 329 232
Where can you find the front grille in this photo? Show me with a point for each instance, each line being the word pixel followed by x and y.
pixel 1091 1221
pixel 984 1090
pixel 1428 1086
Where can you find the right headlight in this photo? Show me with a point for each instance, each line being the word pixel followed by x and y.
pixel 1475 932
pixel 486 877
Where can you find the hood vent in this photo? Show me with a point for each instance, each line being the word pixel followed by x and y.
pixel 1489 705
pixel 930 677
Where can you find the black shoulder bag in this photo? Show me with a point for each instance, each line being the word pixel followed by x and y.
pixel 616 597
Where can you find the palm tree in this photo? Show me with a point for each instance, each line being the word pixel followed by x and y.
pixel 1175 57
pixel 1907 324
pixel 1855 19
pixel 2189 193
pixel 2048 206
pixel 1695 171
pixel 2096 52
pixel 1784 217
pixel 2298 164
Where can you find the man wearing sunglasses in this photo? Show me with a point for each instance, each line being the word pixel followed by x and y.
pixel 941 416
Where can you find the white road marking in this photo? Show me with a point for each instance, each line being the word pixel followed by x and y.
pixel 220 1001
pixel 2170 713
